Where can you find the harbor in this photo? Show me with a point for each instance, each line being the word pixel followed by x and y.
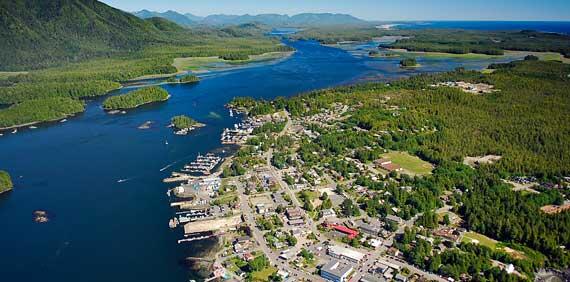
pixel 203 164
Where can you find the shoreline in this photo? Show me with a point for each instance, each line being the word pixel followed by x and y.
pixel 39 122
pixel 139 105
pixel 200 65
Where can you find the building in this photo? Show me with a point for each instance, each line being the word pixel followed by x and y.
pixel 345 253
pixel 336 271
pixel 391 167
pixel 279 200
pixel 294 213
pixel 328 213
pixel 395 219
pixel 383 161
pixel 370 229
pixel 370 278
pixel 296 222
pixel 351 234
pixel 400 278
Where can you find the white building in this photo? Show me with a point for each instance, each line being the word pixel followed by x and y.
pixel 336 271
pixel 345 253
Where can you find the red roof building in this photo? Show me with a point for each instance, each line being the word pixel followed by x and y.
pixel 351 234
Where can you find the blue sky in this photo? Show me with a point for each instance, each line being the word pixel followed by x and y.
pixel 368 9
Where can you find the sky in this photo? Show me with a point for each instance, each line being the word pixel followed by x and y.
pixel 382 10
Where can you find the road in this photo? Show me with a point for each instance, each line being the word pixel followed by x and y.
pixel 273 256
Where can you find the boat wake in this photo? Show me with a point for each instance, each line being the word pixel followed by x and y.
pixel 168 166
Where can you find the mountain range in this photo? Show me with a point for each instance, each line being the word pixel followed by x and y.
pixel 274 20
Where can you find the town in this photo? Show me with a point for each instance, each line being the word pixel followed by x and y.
pixel 287 216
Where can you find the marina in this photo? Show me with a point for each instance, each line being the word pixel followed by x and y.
pixel 203 164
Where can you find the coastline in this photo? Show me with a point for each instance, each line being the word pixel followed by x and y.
pixel 39 122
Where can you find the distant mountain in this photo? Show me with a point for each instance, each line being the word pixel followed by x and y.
pixel 193 17
pixel 40 33
pixel 309 19
pixel 183 20
pixel 274 20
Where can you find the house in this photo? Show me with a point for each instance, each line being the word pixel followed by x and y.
pixel 391 167
pixel 261 209
pixel 400 278
pixel 297 222
pixel 345 253
pixel 248 257
pixel 336 271
pixel 382 161
pixel 326 213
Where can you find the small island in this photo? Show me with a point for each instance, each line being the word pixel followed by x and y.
pixel 190 78
pixel 136 98
pixel 409 63
pixel 184 124
pixel 5 182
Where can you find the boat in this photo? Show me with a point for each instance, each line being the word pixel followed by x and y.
pixel 63 120
pixel 203 164
pixel 15 131
pixel 32 127
pixel 231 113
pixel 166 142
pixel 122 180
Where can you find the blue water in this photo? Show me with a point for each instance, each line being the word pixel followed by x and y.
pixel 558 27
pixel 101 230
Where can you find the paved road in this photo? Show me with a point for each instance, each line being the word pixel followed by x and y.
pixel 258 237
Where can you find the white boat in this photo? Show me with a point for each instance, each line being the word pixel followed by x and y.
pixel 32 127
pixel 63 120
pixel 166 142
pixel 14 131
pixel 231 113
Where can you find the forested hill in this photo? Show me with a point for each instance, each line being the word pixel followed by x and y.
pixel 40 33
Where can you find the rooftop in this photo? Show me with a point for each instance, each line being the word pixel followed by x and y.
pixel 342 251
pixel 337 268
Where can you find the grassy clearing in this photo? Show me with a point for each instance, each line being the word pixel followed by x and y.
pixel 440 55
pixel 543 56
pixel 473 237
pixel 8 74
pixel 410 163
pixel 208 63
pixel 264 274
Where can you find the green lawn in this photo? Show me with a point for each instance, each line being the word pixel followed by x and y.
pixel 472 237
pixel 264 274
pixel 410 163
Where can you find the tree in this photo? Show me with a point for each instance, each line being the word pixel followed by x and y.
pixel 446 219
pixel 258 263
pixel 349 208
